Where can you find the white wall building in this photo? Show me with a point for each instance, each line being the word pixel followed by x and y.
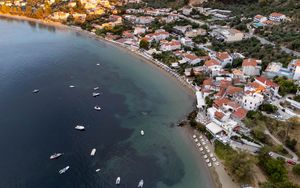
pixel 252 101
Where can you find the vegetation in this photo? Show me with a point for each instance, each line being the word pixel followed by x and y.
pixel 144 44
pixel 286 86
pixel 269 108
pixel 254 49
pixel 208 101
pixel 296 169
pixel 297 98
pixel 166 3
pixel 239 164
pixel 166 57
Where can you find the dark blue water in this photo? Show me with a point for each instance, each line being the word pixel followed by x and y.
pixel 134 96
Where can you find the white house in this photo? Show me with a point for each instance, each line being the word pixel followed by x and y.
pixel 250 67
pixel 251 101
pixel 191 59
pixel 187 41
pixel 260 18
pixel 297 70
pixel 228 35
pixel 139 30
pixel 170 46
pixel 224 58
pixel 269 84
pixel 277 17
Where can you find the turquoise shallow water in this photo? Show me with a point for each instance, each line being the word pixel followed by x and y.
pixel 134 96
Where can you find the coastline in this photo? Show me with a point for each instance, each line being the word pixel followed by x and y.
pixel 187 132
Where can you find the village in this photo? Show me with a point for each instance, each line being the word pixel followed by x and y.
pixel 229 85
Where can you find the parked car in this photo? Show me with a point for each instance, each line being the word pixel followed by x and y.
pixel 291 162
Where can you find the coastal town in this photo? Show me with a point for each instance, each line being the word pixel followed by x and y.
pixel 246 86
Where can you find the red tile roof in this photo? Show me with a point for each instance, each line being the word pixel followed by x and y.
pixel 266 81
pixel 219 102
pixel 249 62
pixel 219 115
pixel 208 81
pixel 276 14
pixel 222 56
pixel 297 63
pixel 232 90
pixel 240 113
pixel 191 56
pixel 211 62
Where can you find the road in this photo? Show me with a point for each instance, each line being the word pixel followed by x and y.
pixel 191 19
pixel 286 50
pixel 295 157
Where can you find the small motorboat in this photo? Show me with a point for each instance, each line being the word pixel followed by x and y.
pixel 98 170
pixel 141 183
pixel 98 108
pixel 61 171
pixel 142 133
pixel 71 86
pixel 35 91
pixel 56 155
pixel 209 164
pixel 96 94
pixel 80 127
pixel 96 88
pixel 93 152
pixel 98 64
pixel 118 180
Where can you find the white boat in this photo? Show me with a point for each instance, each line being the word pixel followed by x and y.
pixel 96 88
pixel 61 171
pixel 142 132
pixel 194 136
pixel 209 164
pixel 93 152
pixel 79 127
pixel 98 170
pixel 35 91
pixel 96 94
pixel 71 86
pixel 207 160
pixel 98 64
pixel 98 108
pixel 141 183
pixel 55 155
pixel 118 180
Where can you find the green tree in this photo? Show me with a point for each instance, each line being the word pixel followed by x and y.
pixel 144 44
pixel 296 169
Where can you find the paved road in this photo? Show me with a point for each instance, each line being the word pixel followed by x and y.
pixel 191 19
pixel 295 157
pixel 286 50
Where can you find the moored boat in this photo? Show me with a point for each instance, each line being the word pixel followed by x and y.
pixel 35 91
pixel 98 108
pixel 80 127
pixel 93 152
pixel 118 180
pixel 141 183
pixel 63 170
pixel 96 88
pixel 96 94
pixel 142 132
pixel 56 155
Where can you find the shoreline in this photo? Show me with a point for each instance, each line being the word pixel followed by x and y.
pixel 187 132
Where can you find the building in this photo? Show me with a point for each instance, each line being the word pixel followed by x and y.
pixel 181 30
pixel 259 18
pixel 227 34
pixel 79 17
pixel 144 20
pixel 277 17
pixel 195 32
pixel 297 70
pixel 187 42
pixel 191 58
pixel 224 58
pixel 268 84
pixel 213 66
pixel 275 69
pixel 169 46
pixel 250 67
pixel 62 16
pixel 158 35
pixel 251 101
pixel 139 30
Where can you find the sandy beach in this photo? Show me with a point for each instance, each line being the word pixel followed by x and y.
pixel 217 174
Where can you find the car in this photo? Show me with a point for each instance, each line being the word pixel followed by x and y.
pixel 291 162
pixel 271 154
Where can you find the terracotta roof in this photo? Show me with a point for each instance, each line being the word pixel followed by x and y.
pixel 297 63
pixel 225 83
pixel 276 14
pixel 233 104
pixel 237 72
pixel 268 22
pixel 211 62
pixel 208 81
pixel 240 113
pixel 222 55
pixel 232 90
pixel 259 16
pixel 220 93
pixel 191 56
pixel 249 62
pixel 219 102
pixel 266 81
pixel 219 115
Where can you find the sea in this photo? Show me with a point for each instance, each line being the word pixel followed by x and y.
pixel 134 96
